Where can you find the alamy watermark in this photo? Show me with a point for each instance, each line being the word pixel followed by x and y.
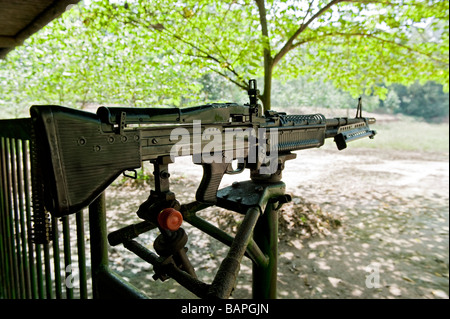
pixel 218 145
pixel 373 279
pixel 72 277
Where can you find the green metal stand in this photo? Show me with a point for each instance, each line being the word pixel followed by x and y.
pixel 265 235
pixel 257 236
pixel 106 283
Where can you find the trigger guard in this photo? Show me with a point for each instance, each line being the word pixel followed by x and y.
pixel 239 169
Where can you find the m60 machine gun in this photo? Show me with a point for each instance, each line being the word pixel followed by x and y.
pixel 77 155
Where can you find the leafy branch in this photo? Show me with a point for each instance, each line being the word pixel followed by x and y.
pixel 372 36
pixel 288 45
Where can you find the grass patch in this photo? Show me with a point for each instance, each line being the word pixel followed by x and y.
pixel 303 219
pixel 408 135
pixel 394 132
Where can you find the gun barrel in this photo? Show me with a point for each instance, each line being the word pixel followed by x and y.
pixel 341 121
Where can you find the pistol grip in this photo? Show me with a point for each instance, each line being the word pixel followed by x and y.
pixel 212 176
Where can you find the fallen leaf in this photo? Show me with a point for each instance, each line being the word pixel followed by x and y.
pixel 408 279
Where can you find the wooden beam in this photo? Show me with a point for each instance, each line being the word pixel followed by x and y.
pixel 52 12
pixel 5 51
pixel 49 14
pixel 6 42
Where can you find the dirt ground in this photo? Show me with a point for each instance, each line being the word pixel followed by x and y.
pixel 362 224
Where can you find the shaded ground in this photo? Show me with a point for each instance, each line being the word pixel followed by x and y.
pixel 362 224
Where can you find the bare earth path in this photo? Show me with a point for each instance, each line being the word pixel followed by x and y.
pixel 392 242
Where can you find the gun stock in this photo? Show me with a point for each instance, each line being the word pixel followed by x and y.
pixel 77 158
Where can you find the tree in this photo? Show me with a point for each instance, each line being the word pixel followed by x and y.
pixel 392 101
pixel 68 63
pixel 426 101
pixel 356 44
pixel 146 53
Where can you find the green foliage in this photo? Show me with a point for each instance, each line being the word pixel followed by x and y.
pixel 161 53
pixel 392 101
pixel 426 101
pixel 407 135
pixel 362 45
pixel 208 37
pixel 357 45
pixel 305 91
pixel 71 64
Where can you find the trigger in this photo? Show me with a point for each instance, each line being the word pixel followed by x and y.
pixel 239 169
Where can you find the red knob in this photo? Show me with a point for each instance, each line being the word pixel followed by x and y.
pixel 170 219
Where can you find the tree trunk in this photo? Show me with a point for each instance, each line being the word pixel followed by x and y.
pixel 268 60
pixel 266 96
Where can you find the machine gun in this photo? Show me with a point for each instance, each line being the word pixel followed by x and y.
pixel 76 155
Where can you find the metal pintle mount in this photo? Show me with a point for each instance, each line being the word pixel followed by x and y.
pixel 256 195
